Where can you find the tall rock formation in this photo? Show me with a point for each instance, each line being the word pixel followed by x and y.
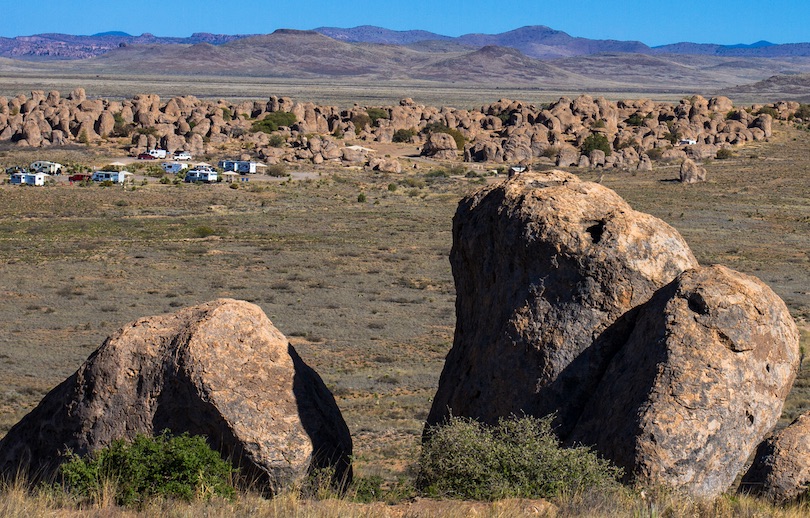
pixel 543 265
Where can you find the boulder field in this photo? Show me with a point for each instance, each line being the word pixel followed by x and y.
pixel 505 131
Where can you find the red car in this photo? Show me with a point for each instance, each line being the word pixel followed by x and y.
pixel 145 156
pixel 79 177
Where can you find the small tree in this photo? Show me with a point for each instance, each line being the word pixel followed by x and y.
pixel 376 114
pixel 403 135
pixel 273 120
pixel 595 141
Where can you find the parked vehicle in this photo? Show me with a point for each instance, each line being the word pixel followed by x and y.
pixel 145 156
pixel 112 176
pixel 79 177
pixel 157 153
pixel 20 178
pixel 183 155
pixel 43 166
pixel 173 167
pixel 16 169
pixel 201 174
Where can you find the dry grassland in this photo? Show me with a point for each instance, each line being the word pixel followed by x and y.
pixel 363 290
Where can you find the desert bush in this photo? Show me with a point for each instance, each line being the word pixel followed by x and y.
pixel 437 127
pixel 655 153
pixel 361 198
pixel 272 121
pixel 724 153
pixel 768 110
pixel 276 170
pixel 227 115
pixel 376 114
pixel 634 120
pixel 672 136
pixel 803 112
pixel 595 141
pixel 276 140
pixel 598 123
pixel 204 231
pixel 403 135
pixel 518 457
pixel 550 152
pixel 360 121
pixel 181 466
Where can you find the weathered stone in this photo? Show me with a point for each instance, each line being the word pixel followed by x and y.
pixel 690 172
pixel 700 377
pixel 543 264
pixel 440 146
pixel 781 468
pixel 220 369
pixel 567 156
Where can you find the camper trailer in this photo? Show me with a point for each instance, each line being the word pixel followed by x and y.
pixel 112 176
pixel 201 174
pixel 173 167
pixel 43 166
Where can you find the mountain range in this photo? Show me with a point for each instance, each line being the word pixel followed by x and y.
pixel 533 55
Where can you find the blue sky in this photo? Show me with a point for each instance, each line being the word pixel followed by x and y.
pixel 652 22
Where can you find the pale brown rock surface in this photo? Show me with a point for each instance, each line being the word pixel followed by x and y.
pixel 220 369
pixel 781 469
pixel 698 382
pixel 543 264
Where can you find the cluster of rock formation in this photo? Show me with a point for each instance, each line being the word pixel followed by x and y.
pixel 221 370
pixel 569 302
pixel 505 131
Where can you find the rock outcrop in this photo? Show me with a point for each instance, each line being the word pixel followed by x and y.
pixel 570 303
pixel 503 131
pixel 781 468
pixel 690 172
pixel 544 264
pixel 700 378
pixel 220 369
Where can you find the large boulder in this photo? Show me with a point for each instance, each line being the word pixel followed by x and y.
pixel 543 264
pixel 220 369
pixel 699 380
pixel 781 468
pixel 440 146
pixel 691 172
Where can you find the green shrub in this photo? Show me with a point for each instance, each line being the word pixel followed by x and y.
pixel 176 467
pixel 437 127
pixel 655 153
pixel 724 153
pixel 276 140
pixel 803 112
pixel 634 120
pixel 672 136
pixel 204 231
pixel 361 198
pixel 392 187
pixel 595 141
pixel 360 121
pixel 226 114
pixel 272 121
pixel 404 135
pixel 768 110
pixel 518 457
pixel 276 170
pixel 376 113
pixel 599 123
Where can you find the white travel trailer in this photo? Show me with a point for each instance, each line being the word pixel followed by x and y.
pixel 112 176
pixel 43 166
pixel 157 153
pixel 28 178
pixel 173 167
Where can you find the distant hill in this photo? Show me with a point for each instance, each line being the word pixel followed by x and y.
pixel 534 57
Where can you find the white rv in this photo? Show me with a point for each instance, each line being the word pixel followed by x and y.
pixel 157 153
pixel 112 176
pixel 173 167
pixel 43 166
